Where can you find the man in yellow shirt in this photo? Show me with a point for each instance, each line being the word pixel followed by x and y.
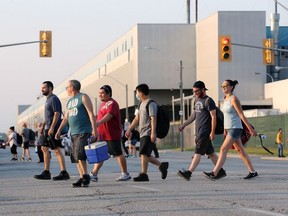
pixel 279 142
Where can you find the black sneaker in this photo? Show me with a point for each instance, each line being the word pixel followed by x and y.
pixel 186 174
pixel 45 175
pixel 86 180
pixel 62 176
pixel 211 176
pixel 141 177
pixel 164 169
pixel 251 175
pixel 78 183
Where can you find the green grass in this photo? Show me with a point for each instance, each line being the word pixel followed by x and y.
pixel 249 150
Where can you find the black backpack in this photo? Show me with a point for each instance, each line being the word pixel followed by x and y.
pixel 31 135
pixel 162 121
pixel 219 119
pixel 19 139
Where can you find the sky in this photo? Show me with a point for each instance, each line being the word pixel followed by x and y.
pixel 80 30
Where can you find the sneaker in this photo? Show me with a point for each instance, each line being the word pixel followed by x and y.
pixel 86 180
pixel 141 177
pixel 29 159
pixel 93 178
pixel 251 175
pixel 62 176
pixel 123 177
pixel 43 176
pixel 186 174
pixel 164 169
pixel 14 159
pixel 211 176
pixel 22 159
pixel 78 183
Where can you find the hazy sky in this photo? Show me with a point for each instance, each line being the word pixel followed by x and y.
pixel 81 29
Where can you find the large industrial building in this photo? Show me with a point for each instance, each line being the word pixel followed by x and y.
pixel 153 53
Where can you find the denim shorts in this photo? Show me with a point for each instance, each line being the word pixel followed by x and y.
pixel 235 133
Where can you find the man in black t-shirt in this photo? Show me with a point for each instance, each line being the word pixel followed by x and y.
pixel 205 115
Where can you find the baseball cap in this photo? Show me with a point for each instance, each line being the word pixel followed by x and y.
pixel 199 84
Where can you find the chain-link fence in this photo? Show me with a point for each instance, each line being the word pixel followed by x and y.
pixel 267 125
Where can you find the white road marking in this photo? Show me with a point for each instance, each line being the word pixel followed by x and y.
pixel 145 188
pixel 263 212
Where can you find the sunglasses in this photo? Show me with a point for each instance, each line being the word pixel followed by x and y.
pixel 224 86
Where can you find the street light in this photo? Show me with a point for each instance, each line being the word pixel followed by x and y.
pixel 181 96
pixel 277 68
pixel 258 73
pixel 126 93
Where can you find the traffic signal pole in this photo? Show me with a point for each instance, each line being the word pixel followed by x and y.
pixel 258 47
pixel 17 44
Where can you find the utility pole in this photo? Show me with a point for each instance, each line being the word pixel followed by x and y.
pixel 188 10
pixel 196 11
pixel 181 106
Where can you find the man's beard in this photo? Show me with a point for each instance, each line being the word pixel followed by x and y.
pixel 45 93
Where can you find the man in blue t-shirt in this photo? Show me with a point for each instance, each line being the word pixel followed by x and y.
pixel 50 126
pixel 204 113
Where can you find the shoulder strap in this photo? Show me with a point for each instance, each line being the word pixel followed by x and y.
pixel 207 101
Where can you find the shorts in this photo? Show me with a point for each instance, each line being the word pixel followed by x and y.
pixel 78 143
pixel 114 147
pixel 203 145
pixel 133 142
pixel 50 141
pixel 235 133
pixel 146 146
pixel 13 149
pixel 26 145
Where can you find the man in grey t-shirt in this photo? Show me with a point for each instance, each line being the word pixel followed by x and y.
pixel 205 115
pixel 25 133
pixel 147 124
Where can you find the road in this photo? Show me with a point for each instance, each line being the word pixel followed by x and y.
pixel 21 194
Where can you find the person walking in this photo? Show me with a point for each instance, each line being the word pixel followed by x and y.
pixel 109 130
pixel 39 142
pixel 233 114
pixel 147 128
pixel 133 138
pixel 25 133
pixel 279 142
pixel 82 125
pixel 12 142
pixel 52 112
pixel 204 114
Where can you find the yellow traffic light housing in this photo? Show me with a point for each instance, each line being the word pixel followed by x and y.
pixel 45 43
pixel 268 54
pixel 225 48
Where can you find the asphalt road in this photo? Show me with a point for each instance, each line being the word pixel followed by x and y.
pixel 21 194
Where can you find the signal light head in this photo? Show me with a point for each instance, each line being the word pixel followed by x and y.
pixel 225 48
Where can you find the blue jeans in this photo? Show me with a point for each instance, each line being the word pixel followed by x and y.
pixel 280 150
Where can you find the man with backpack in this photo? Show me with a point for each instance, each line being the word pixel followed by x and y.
pixel 25 133
pixel 205 115
pixel 147 123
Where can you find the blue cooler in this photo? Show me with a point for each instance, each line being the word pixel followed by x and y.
pixel 96 152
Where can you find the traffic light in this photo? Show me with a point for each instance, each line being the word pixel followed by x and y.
pixel 45 43
pixel 225 48
pixel 268 54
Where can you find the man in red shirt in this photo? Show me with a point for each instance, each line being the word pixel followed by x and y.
pixel 109 130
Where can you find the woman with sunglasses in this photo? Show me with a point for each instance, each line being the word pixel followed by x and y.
pixel 233 114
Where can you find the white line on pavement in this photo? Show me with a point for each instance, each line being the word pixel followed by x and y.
pixel 144 188
pixel 263 212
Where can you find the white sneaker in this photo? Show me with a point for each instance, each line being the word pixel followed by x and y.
pixel 93 178
pixel 123 177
